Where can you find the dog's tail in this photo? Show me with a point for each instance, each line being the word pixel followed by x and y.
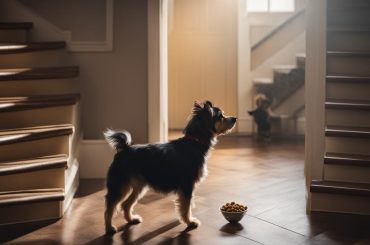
pixel 118 140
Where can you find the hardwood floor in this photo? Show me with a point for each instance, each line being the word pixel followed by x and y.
pixel 269 180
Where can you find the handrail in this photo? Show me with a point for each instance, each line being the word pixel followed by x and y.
pixel 278 28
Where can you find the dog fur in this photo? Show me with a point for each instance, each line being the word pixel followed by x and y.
pixel 175 166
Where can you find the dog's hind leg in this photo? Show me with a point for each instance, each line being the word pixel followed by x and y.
pixel 112 198
pixel 138 190
pixel 184 202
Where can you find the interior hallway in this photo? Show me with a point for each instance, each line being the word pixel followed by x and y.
pixel 268 180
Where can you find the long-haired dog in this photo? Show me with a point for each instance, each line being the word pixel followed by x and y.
pixel 175 166
pixel 262 117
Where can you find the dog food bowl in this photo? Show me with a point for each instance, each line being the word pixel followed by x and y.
pixel 234 215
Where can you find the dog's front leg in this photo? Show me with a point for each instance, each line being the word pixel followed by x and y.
pixel 184 201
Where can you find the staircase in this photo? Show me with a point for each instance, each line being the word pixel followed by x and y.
pixel 39 127
pixel 286 90
pixel 345 185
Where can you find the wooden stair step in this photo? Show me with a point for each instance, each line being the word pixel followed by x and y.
pixel 11 198
pixel 347 159
pixel 262 80
pixel 344 131
pixel 15 25
pixel 348 78
pixel 14 48
pixel 39 73
pixel 8 104
pixel 34 133
pixel 347 104
pixel 284 69
pixel 347 53
pixel 341 188
pixel 33 164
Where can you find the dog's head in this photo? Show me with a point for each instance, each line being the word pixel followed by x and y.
pixel 262 101
pixel 209 119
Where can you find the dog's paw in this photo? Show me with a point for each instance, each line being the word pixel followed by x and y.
pixel 194 223
pixel 136 219
pixel 110 229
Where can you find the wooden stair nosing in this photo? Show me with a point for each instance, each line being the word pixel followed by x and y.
pixel 344 131
pixel 35 164
pixel 9 104
pixel 39 73
pixel 347 104
pixel 347 159
pixel 348 53
pixel 340 188
pixel 34 133
pixel 15 25
pixel 347 78
pixel 13 198
pixel 15 48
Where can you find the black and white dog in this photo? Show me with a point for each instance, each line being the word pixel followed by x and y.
pixel 175 166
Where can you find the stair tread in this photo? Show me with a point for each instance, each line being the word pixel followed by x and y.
pixel 347 104
pixel 25 103
pixel 263 80
pixel 348 53
pixel 347 159
pixel 33 164
pixel 337 187
pixel 39 73
pixel 16 25
pixel 345 131
pixel 348 78
pixel 10 136
pixel 10 198
pixel 285 69
pixel 13 48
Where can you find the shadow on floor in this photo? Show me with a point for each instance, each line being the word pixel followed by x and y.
pixel 10 232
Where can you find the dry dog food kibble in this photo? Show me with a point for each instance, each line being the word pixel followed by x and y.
pixel 233 207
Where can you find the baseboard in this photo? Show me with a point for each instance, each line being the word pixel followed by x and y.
pixel 95 158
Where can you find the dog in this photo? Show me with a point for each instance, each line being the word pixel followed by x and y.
pixel 172 167
pixel 262 117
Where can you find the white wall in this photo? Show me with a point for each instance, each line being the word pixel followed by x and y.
pixel 202 56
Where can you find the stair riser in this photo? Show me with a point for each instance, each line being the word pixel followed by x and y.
pixel 38 87
pixel 348 65
pixel 39 117
pixel 355 118
pixel 348 90
pixel 13 36
pixel 292 103
pixel 347 145
pixel 31 212
pixel 348 41
pixel 301 63
pixel 347 173
pixel 340 203
pixel 49 178
pixel 35 148
pixel 52 58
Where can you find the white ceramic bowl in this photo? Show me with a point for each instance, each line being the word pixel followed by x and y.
pixel 233 217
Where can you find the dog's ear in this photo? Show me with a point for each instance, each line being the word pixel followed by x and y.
pixel 208 103
pixel 197 107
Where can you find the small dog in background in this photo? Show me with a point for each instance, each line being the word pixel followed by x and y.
pixel 175 166
pixel 262 116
